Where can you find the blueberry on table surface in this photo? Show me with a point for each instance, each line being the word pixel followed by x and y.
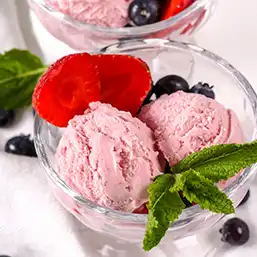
pixel 245 199
pixel 203 89
pixel 6 117
pixel 170 84
pixel 144 12
pixel 21 145
pixel 235 232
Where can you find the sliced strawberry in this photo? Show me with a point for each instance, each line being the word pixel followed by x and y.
pixel 66 89
pixel 125 81
pixel 174 7
pixel 141 210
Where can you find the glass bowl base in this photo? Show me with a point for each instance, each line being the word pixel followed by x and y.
pixel 102 245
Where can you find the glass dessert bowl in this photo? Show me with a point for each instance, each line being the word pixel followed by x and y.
pixel 83 36
pixel 163 57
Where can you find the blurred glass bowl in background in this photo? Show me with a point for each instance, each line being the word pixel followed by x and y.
pixel 83 36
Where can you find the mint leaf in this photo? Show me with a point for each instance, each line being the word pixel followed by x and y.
pixel 164 207
pixel 179 183
pixel 195 176
pixel 19 73
pixel 23 56
pixel 219 162
pixel 201 190
pixel 157 188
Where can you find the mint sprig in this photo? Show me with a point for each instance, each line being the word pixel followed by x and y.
pixel 19 73
pixel 195 176
pixel 219 162
pixel 164 207
pixel 201 190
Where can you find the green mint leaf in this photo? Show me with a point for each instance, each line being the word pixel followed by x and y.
pixel 202 191
pixel 219 162
pixel 157 189
pixel 27 59
pixel 179 183
pixel 164 207
pixel 19 73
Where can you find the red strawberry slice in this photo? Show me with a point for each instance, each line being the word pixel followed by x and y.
pixel 141 210
pixel 174 7
pixel 66 89
pixel 125 81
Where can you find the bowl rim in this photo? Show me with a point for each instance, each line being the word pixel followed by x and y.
pixel 141 219
pixel 197 5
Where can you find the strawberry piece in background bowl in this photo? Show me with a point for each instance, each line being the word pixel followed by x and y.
pixel 173 7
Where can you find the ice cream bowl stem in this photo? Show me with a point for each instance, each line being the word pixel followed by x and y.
pixel 163 57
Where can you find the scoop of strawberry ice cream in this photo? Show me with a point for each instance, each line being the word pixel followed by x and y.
pixel 108 156
pixel 104 13
pixel 184 123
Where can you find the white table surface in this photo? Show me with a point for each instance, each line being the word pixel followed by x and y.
pixel 231 33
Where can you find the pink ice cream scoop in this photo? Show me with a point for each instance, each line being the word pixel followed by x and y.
pixel 104 13
pixel 108 156
pixel 184 123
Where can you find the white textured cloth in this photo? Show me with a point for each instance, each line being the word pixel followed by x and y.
pixel 32 222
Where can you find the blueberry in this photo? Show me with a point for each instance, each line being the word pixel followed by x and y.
pixel 235 232
pixel 203 89
pixel 143 12
pixel 245 199
pixel 170 84
pixel 21 145
pixel 6 117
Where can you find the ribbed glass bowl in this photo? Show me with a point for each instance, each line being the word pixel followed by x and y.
pixel 163 57
pixel 83 36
